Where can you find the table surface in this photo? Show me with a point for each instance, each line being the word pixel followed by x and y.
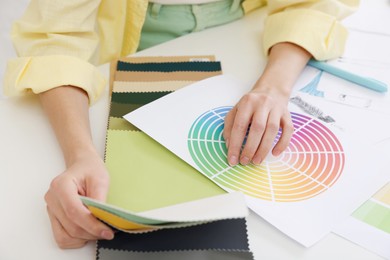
pixel 31 157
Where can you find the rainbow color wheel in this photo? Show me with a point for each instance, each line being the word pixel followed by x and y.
pixel 310 165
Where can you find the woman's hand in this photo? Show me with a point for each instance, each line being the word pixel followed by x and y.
pixel 72 223
pixel 263 112
pixel 264 109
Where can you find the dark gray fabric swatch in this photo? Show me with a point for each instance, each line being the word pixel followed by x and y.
pixel 229 234
pixel 109 254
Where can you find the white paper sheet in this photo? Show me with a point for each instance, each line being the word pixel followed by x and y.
pixel 371 16
pixel 367 54
pixel 369 226
pixel 312 203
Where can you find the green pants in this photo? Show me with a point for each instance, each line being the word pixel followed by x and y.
pixel 167 22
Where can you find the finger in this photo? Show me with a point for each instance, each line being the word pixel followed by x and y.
pixel 229 120
pixel 72 229
pixel 287 132
pixel 255 135
pixel 55 207
pixel 238 133
pixel 62 238
pixel 271 130
pixel 75 211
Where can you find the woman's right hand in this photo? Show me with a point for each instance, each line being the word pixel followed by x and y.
pixel 72 223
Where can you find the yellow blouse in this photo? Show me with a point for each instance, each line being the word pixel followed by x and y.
pixel 60 42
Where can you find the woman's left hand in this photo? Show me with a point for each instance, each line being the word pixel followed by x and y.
pixel 263 113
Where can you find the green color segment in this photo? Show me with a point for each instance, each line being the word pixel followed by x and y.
pixel 375 215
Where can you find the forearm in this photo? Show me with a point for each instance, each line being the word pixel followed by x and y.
pixel 67 109
pixel 72 223
pixel 285 63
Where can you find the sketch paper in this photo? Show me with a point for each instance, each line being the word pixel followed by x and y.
pixel 312 200
pixel 342 99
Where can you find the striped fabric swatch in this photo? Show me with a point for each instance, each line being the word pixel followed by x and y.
pixel 144 175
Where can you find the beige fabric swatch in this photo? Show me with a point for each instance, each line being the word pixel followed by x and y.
pixel 164 76
pixel 141 86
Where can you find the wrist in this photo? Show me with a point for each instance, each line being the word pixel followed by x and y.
pixel 80 152
pixel 285 63
pixel 274 87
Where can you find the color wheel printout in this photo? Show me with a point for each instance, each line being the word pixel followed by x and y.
pixel 303 192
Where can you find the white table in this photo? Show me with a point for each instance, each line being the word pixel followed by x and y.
pixel 30 158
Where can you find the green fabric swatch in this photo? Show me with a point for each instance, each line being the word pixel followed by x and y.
pixel 121 109
pixel 137 97
pixel 117 123
pixel 169 66
pixel 145 175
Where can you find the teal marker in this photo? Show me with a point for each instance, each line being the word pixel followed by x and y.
pixel 360 80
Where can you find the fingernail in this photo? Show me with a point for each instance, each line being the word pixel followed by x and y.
pixel 106 234
pixel 233 160
pixel 256 161
pixel 244 160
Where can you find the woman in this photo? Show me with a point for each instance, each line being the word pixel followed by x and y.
pixel 58 41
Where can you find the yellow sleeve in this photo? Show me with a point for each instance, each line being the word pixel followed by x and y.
pixel 312 24
pixel 56 42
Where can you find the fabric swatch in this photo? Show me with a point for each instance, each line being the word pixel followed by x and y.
pixel 140 86
pixel 137 97
pixel 105 253
pixel 224 239
pixel 113 64
pixel 163 76
pixel 118 123
pixel 121 109
pixel 145 175
pixel 229 234
pixel 168 66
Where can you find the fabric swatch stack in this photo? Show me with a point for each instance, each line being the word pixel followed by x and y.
pixel 144 175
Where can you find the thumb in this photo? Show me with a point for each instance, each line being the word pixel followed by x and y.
pixel 97 187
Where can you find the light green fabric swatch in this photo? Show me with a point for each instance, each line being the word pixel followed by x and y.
pixel 116 123
pixel 145 175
